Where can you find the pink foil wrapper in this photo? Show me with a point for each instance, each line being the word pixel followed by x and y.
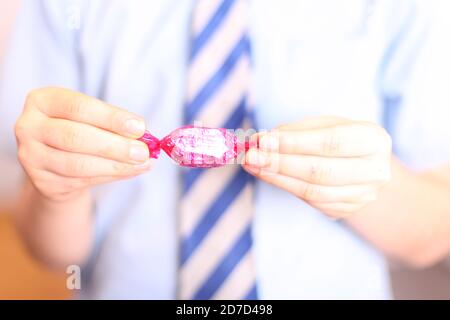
pixel 197 147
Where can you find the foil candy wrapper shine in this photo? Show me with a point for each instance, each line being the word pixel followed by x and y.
pixel 197 147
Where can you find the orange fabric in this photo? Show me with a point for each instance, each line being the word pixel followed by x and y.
pixel 20 276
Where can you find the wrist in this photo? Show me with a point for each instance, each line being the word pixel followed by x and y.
pixel 56 232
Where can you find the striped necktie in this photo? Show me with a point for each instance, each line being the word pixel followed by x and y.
pixel 216 260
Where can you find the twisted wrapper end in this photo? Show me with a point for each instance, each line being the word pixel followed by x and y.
pixel 153 143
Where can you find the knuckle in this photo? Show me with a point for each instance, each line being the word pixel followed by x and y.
pixel 20 129
pixel 332 144
pixel 121 168
pixel 36 97
pixel 112 151
pixel 76 167
pixel 319 173
pixel 72 137
pixel 23 155
pixel 30 156
pixel 308 192
pixel 33 97
pixel 76 107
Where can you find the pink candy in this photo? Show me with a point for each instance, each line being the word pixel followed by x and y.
pixel 197 147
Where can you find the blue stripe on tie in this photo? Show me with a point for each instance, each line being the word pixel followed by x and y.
pixel 200 40
pixel 237 118
pixel 228 195
pixel 190 177
pixel 225 267
pixel 252 294
pixel 193 108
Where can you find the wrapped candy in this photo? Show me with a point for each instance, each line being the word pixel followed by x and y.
pixel 197 147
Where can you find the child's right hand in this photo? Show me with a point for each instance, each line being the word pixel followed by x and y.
pixel 68 142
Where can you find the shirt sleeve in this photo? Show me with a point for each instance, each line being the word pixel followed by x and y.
pixel 415 85
pixel 41 52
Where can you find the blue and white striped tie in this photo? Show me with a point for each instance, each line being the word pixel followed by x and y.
pixel 216 260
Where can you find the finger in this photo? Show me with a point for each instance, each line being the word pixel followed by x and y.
pixel 313 123
pixel 305 124
pixel 57 184
pixel 339 209
pixel 321 170
pixel 80 183
pixel 351 140
pixel 70 105
pixel 79 165
pixel 315 193
pixel 102 180
pixel 82 138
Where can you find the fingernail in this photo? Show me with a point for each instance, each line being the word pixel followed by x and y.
pixel 269 143
pixel 256 158
pixel 135 127
pixel 138 152
pixel 253 143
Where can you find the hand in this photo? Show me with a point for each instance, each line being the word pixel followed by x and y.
pixel 68 142
pixel 336 165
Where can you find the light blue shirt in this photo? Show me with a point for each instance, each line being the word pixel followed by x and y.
pixel 358 59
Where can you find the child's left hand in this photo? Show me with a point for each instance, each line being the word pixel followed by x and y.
pixel 334 164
